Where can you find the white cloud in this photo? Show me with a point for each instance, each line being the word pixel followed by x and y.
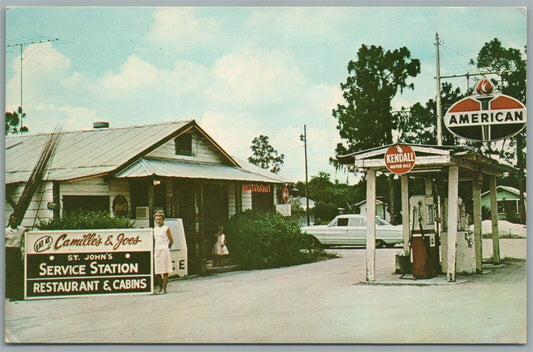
pixel 233 131
pixel 46 83
pixel 69 118
pixel 258 76
pixel 42 59
pixel 134 74
pixel 180 28
pixel 43 67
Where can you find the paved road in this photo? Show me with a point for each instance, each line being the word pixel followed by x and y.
pixel 315 303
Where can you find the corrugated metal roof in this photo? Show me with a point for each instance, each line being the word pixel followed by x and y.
pixel 198 170
pixel 83 154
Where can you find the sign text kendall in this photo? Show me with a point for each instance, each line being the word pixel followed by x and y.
pixel 400 159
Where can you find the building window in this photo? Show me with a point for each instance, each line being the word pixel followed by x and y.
pixel 262 197
pixel 160 198
pixel 73 204
pixel 183 144
pixel 138 196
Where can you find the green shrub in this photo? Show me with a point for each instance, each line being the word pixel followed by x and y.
pixel 86 220
pixel 267 240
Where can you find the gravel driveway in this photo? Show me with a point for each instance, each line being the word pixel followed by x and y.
pixel 321 302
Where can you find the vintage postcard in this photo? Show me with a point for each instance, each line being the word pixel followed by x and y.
pixel 265 175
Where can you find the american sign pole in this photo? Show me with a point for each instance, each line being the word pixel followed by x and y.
pixel 439 117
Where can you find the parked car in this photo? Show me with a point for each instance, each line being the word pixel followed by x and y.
pixel 350 230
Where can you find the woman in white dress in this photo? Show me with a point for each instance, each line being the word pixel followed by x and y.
pixel 162 260
pixel 220 249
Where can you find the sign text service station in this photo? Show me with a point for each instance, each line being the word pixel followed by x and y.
pixel 88 262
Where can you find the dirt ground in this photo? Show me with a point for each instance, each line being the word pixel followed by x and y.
pixel 323 302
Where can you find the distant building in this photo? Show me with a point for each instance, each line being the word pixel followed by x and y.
pixel 508 201
pixel 299 207
pixel 133 171
pixel 380 209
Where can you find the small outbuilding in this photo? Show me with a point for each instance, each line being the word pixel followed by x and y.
pixel 381 210
pixel 508 199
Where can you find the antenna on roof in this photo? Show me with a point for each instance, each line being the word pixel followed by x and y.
pixel 22 45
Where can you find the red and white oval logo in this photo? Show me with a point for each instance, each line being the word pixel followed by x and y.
pixel 400 159
pixel 486 118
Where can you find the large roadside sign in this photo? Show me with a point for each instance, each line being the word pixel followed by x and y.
pixel 88 262
pixel 400 159
pixel 486 117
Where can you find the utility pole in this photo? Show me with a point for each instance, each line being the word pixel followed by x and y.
pixel 303 137
pixel 439 117
pixel 22 45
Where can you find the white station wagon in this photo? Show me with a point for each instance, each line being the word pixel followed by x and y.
pixel 350 230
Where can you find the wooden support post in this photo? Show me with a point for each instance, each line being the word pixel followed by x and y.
pixel 404 179
pixel 477 182
pixel 371 226
pixel 494 219
pixel 151 201
pixel 453 196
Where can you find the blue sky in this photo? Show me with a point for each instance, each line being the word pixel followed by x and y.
pixel 239 71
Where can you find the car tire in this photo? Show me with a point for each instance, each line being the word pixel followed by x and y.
pixel 316 243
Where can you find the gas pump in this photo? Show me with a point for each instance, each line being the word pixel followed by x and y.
pixel 424 240
pixel 465 258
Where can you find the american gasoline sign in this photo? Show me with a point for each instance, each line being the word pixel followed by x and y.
pixel 400 159
pixel 486 117
pixel 88 262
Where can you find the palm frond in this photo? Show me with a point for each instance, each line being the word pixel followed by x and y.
pixel 36 179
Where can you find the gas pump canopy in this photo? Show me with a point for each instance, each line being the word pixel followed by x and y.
pixel 429 158
pixel 448 162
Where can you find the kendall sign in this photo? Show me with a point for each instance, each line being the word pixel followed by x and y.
pixel 486 117
pixel 400 159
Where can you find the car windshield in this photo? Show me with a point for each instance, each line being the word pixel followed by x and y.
pixel 381 222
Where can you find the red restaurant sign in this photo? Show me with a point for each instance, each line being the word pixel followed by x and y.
pixel 256 188
pixel 399 159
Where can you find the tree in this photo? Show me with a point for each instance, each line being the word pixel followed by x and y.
pixel 512 66
pixel 13 121
pixel 264 155
pixel 366 120
pixel 329 196
pixel 420 126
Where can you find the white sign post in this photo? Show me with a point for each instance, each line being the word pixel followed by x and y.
pixel 178 251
